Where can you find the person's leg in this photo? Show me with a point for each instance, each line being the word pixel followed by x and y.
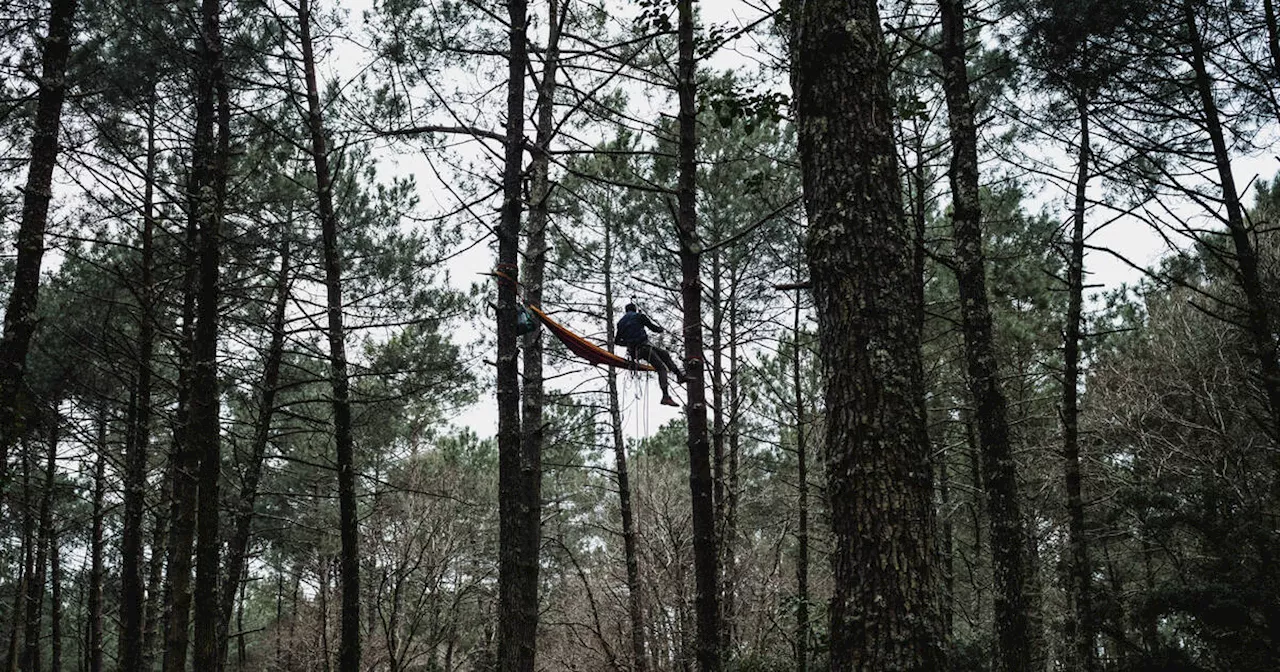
pixel 669 362
pixel 650 354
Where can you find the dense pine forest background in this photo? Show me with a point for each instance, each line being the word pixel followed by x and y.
pixel 978 301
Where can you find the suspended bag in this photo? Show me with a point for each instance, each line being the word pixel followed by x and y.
pixel 524 321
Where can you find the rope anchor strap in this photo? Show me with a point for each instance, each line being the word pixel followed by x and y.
pixel 506 273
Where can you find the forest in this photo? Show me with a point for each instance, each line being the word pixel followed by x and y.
pixel 310 357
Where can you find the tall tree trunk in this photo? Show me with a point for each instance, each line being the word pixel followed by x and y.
pixel 238 546
pixel 135 476
pixel 1273 36
pixel 802 500
pixel 977 485
pixel 701 486
pixel 1013 652
pixel 535 267
pixel 35 587
pixel 82 633
pixel 184 464
pixel 153 613
pixel 719 459
pixel 1257 317
pixel 918 214
pixel 1080 628
pixel 948 544
pixel 55 606
pixel 20 314
pixel 349 646
pixel 177 585
pixel 94 653
pixel 241 653
pixel 517 543
pixel 717 397
pixel 635 607
pixel 293 616
pixel 323 598
pixel 884 612
pixel 1035 603
pixel 279 653
pixel 527 514
pixel 208 192
pixel 919 221
pixel 729 576
pixel 26 562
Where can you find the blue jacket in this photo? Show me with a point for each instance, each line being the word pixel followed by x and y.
pixel 631 330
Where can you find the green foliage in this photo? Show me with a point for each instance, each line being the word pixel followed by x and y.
pixel 655 16
pixel 1199 508
pixel 733 103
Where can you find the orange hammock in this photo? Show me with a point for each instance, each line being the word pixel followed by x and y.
pixel 584 348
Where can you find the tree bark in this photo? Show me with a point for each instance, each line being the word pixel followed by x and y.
pixel 184 464
pixel 26 566
pixel 276 635
pixel 535 267
pixel 1080 629
pixel 719 458
pixel 135 478
pixel 717 405
pixel 976 483
pixel 733 444
pixel 94 652
pixel 1013 650
pixel 1273 36
pixel 883 612
pixel 802 501
pixel 55 607
pixel 322 573
pixel 948 544
pixel 349 644
pixel 517 543
pixel 177 584
pixel 241 652
pixel 153 613
pixel 35 587
pixel 208 193
pixel 82 632
pixel 701 485
pixel 527 518
pixel 20 313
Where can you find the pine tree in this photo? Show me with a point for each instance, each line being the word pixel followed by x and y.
pixel 884 611
pixel 20 312
pixel 518 475
pixel 1004 511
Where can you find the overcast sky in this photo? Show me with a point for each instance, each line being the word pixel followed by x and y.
pixel 1134 240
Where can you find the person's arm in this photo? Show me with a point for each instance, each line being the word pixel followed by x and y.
pixel 652 327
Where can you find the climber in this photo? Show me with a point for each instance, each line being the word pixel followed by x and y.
pixel 631 333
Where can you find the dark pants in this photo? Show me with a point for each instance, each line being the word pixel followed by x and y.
pixel 661 361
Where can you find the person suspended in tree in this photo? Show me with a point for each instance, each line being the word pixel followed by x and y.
pixel 632 334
